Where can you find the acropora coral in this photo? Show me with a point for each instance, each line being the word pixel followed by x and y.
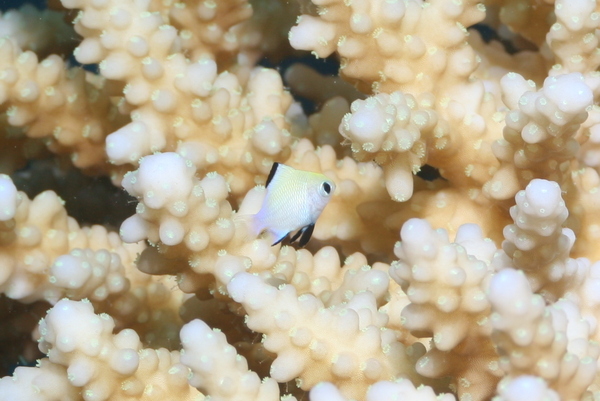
pixel 456 260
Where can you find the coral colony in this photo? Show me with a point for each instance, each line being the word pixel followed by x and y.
pixel 481 284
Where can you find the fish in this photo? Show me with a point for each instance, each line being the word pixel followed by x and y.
pixel 293 203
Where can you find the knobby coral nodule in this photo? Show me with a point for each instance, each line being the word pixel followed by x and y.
pixel 480 284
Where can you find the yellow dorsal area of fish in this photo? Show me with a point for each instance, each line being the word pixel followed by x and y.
pixel 293 203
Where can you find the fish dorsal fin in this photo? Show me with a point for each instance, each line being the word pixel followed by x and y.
pixel 272 174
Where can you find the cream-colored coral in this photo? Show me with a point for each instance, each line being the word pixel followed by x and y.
pixel 22 25
pixel 173 98
pixel 393 130
pixel 322 127
pixel 385 43
pixel 45 255
pixel 182 103
pixel 182 214
pixel 367 354
pixel 9 199
pixel 446 283
pixel 381 391
pixel 573 37
pixel 84 272
pixel 210 28
pixel 172 198
pixel 208 355
pixel 584 214
pixel 69 107
pixel 546 341
pixel 45 382
pixel 40 232
pixel 539 134
pixel 537 243
pixel 386 47
pixel 106 366
pixel 525 388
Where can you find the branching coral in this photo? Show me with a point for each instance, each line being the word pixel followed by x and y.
pixel 208 354
pixel 103 365
pixel 304 351
pixel 539 134
pixel 392 130
pixel 446 283
pixel 69 107
pixel 550 342
pixel 478 281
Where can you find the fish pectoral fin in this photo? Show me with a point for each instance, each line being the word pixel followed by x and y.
pixel 306 234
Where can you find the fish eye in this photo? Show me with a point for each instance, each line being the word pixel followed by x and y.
pixel 326 188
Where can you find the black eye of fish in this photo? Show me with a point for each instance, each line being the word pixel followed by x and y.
pixel 326 187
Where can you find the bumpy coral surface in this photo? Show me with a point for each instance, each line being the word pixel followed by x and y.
pixel 456 260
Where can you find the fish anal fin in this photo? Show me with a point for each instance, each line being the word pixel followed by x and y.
pixel 271 175
pixel 297 234
pixel 306 234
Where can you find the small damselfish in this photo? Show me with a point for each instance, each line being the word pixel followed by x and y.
pixel 294 201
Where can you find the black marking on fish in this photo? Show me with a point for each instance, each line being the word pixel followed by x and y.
pixel 306 234
pixel 269 179
pixel 295 236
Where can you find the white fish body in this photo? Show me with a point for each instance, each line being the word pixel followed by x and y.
pixel 294 201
